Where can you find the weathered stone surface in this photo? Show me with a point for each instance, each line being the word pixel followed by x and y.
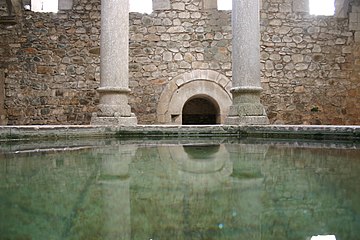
pixel 53 61
pixel 3 114
pixel 161 4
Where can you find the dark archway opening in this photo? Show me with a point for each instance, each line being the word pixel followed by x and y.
pixel 200 111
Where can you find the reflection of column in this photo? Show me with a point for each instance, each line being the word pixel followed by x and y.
pixel 114 108
pixel 246 107
pixel 115 184
pixel 248 160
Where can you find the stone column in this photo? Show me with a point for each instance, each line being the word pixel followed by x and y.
pixel 246 107
pixel 114 108
pixel 3 117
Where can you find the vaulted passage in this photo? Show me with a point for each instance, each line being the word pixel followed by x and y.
pixel 200 111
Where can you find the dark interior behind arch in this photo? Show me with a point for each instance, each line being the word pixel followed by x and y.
pixel 200 111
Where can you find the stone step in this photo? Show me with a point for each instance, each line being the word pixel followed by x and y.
pixel 8 20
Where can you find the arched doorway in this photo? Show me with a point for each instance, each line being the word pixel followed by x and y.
pixel 200 87
pixel 200 110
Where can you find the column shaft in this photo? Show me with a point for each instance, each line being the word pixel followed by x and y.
pixel 246 107
pixel 246 43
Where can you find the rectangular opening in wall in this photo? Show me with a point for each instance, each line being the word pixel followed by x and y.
pixel 322 7
pixel 174 118
pixel 44 6
pixel 141 6
pixel 224 4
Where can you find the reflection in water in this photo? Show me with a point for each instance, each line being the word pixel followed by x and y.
pixel 323 237
pixel 202 191
pixel 201 152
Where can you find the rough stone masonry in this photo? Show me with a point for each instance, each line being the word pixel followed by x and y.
pixel 310 65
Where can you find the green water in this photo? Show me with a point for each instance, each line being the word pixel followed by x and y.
pixel 223 189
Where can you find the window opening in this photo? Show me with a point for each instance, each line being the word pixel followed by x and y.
pixel 322 7
pixel 141 6
pixel 44 6
pixel 224 4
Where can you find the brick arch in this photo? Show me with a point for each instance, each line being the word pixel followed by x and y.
pixel 208 83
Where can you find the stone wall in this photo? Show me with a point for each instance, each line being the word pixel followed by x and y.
pixel 166 44
pixel 50 62
pixel 52 66
pixel 309 68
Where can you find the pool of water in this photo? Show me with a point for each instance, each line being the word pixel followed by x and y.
pixel 189 189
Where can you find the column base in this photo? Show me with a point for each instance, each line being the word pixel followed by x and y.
pixel 247 120
pixel 114 121
pixel 246 108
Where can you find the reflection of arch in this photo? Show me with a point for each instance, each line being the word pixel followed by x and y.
pixel 202 166
pixel 208 84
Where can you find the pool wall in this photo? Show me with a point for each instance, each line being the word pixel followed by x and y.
pixel 351 133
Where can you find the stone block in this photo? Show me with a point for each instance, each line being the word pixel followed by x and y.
pixel 285 7
pixel 213 75
pixel 114 121
pixel 223 81
pixel 354 26
pixel 357 37
pixel 65 4
pixel 301 6
pixel 341 8
pixel 161 5
pixel 197 74
pixel 355 8
pixel 179 81
pixel 353 17
pixel 209 4
pixel 44 70
pixel 247 120
pixel 178 6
